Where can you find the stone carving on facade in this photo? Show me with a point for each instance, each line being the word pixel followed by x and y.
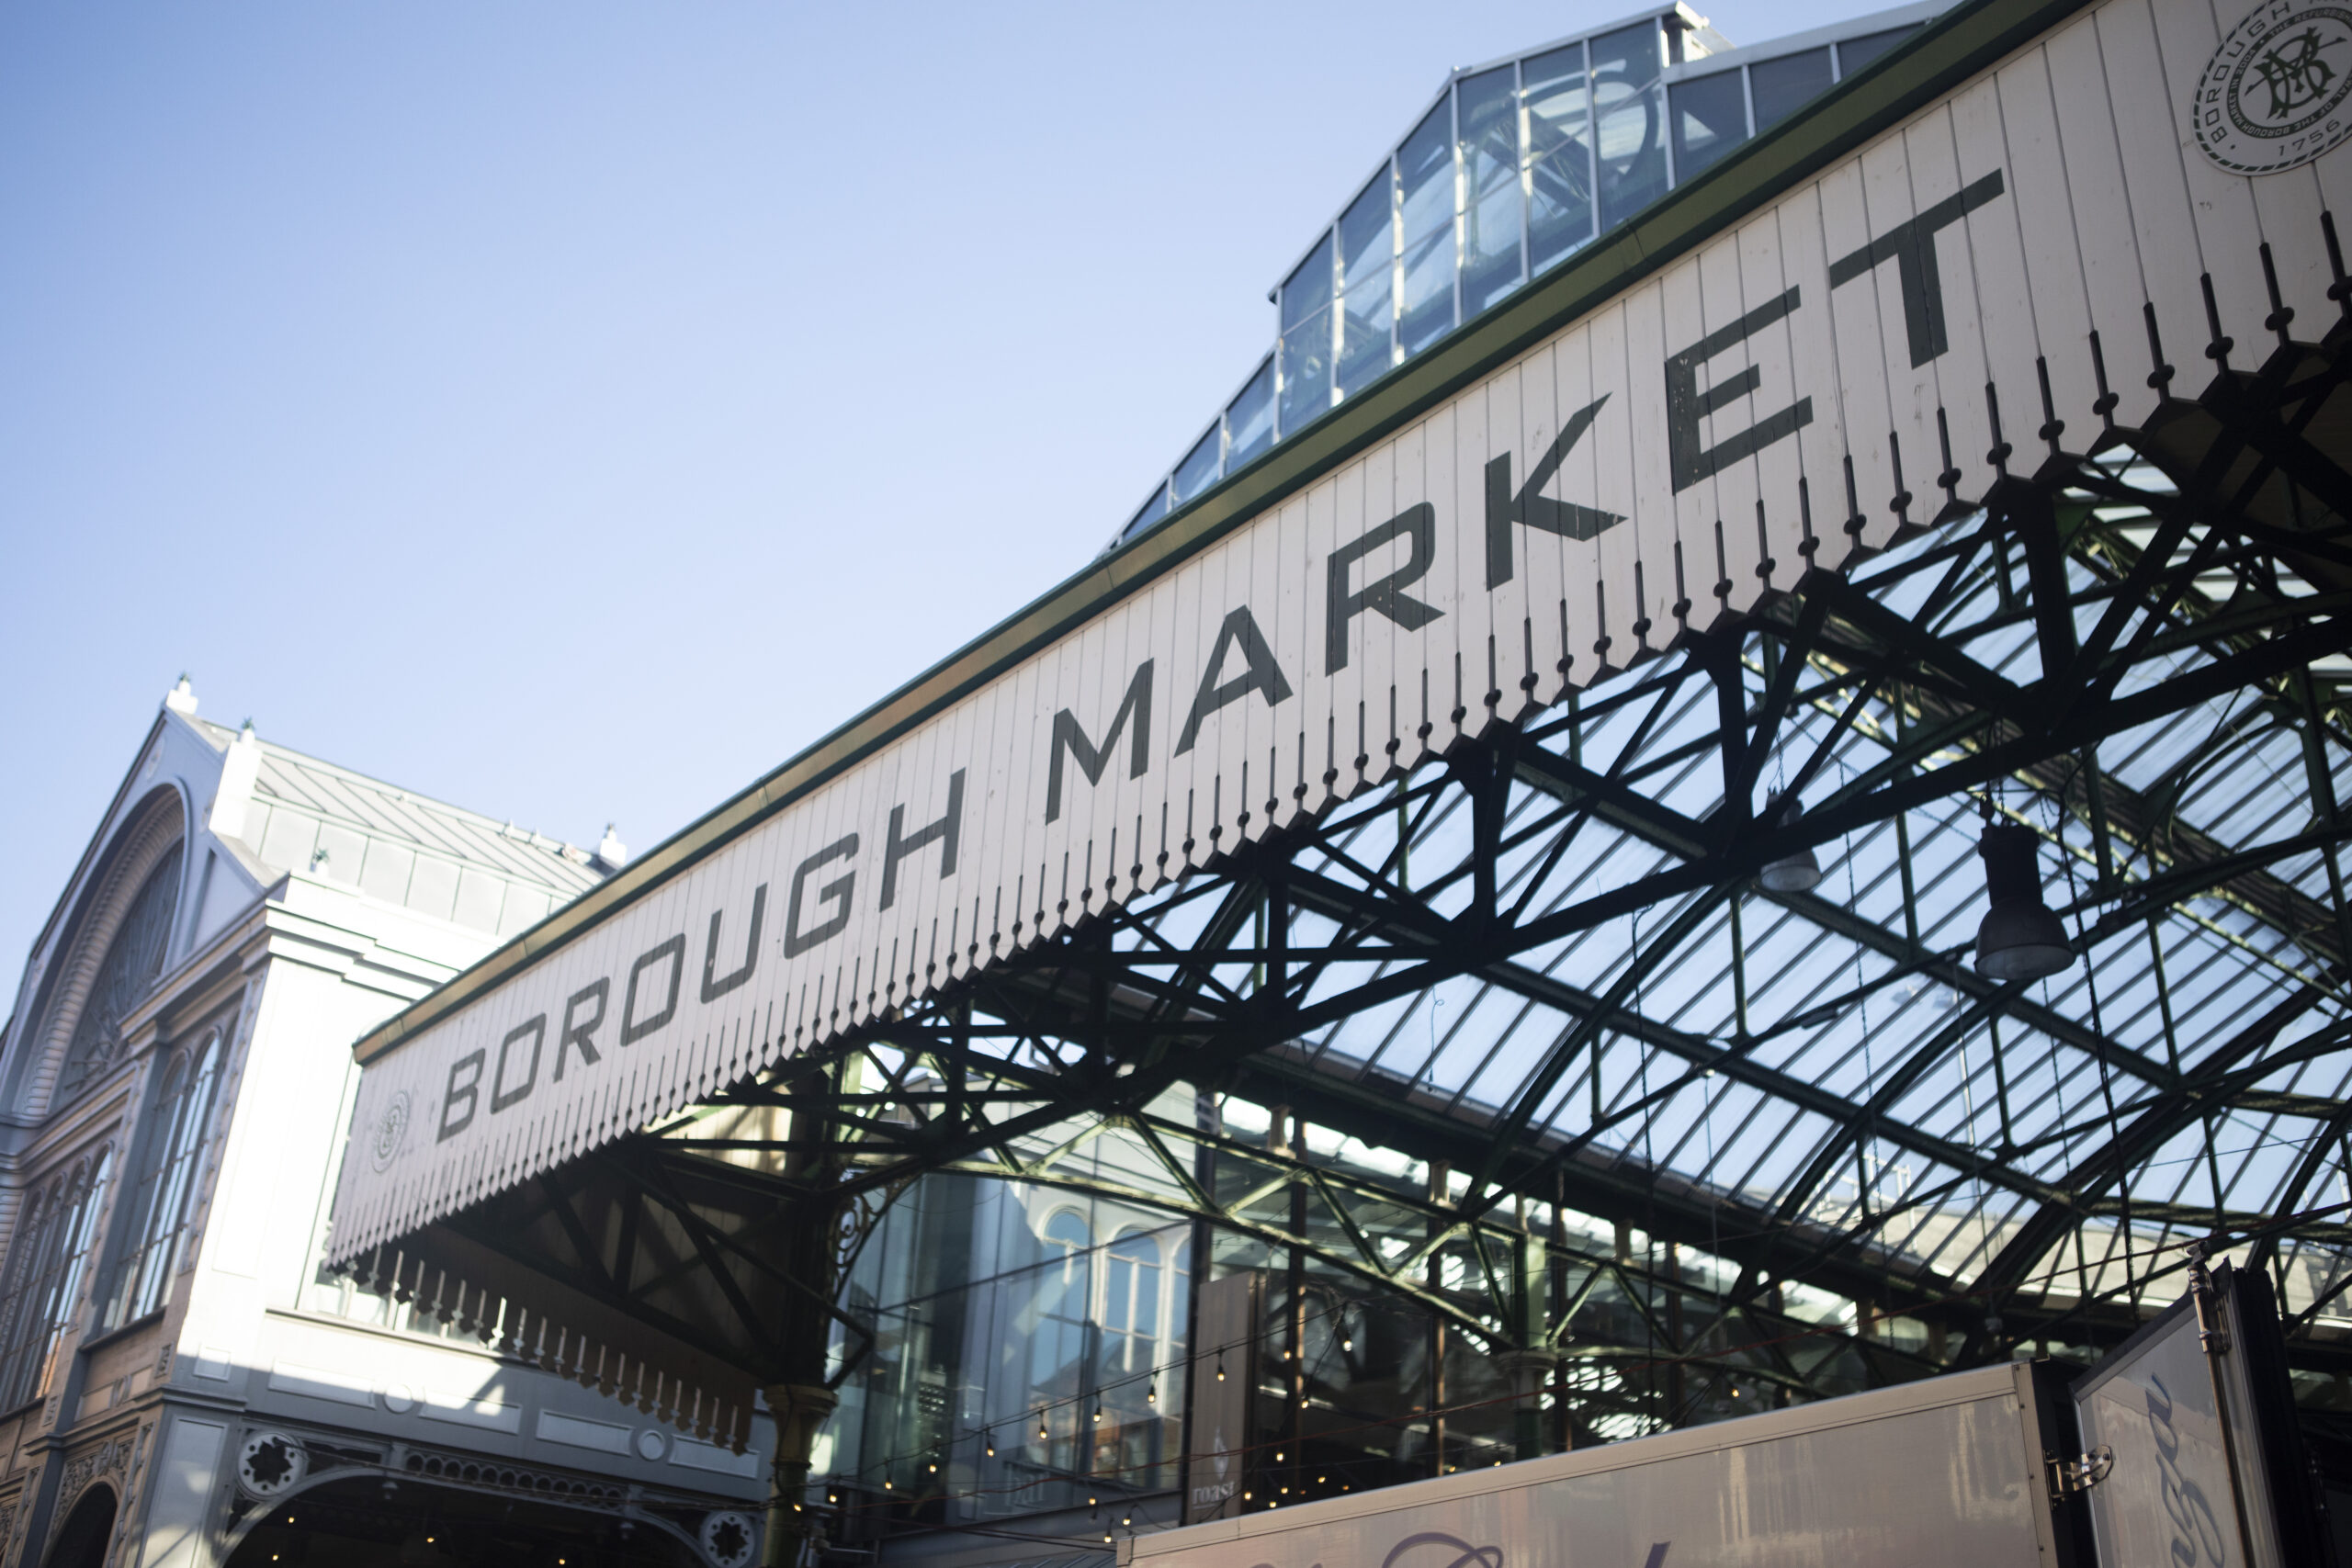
pixel 729 1538
pixel 12 1548
pixel 109 1458
pixel 472 1470
pixel 272 1462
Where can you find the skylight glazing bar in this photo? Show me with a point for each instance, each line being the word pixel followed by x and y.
pixel 1596 111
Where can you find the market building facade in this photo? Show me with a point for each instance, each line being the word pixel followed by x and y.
pixel 181 1383
pixel 1719 785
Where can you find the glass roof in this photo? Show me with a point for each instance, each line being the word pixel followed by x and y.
pixel 1517 165
pixel 1780 1142
pixel 1832 1056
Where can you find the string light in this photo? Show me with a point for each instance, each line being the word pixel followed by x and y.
pixel 1042 1433
pixel 1151 1392
pixel 1220 1366
pixel 992 1442
pixel 1098 1412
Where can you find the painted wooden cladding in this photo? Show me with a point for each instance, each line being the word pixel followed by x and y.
pixel 2103 220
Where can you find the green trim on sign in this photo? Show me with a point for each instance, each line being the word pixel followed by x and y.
pixel 1944 54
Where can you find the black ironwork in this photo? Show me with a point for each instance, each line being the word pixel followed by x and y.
pixel 1703 1141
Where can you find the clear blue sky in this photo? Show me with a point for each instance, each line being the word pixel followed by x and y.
pixel 573 411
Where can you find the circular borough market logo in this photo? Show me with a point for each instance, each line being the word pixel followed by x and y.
pixel 391 1127
pixel 2274 96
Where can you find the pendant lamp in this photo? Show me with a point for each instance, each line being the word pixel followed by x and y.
pixel 2020 939
pixel 1799 872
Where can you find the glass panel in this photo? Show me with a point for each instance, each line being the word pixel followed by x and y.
pixel 1425 205
pixel 166 1184
pixel 1201 467
pixel 145 1214
pixel 44 1276
pixel 1559 215
pixel 1781 86
pixel 132 962
pixel 1367 271
pixel 1710 119
pixel 1153 511
pixel 1140 1256
pixel 1249 419
pixel 1306 339
pixel 1367 247
pixel 1853 53
pixel 1309 290
pixel 1015 1367
pixel 1491 207
pixel 1630 120
pixel 1118 1292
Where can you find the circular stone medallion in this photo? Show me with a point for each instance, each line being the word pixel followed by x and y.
pixel 2273 96
pixel 728 1539
pixel 272 1462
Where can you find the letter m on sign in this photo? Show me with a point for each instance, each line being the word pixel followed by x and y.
pixel 1069 740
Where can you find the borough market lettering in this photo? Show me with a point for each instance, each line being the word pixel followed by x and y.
pixel 820 897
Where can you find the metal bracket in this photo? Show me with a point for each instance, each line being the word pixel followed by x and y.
pixel 2071 1475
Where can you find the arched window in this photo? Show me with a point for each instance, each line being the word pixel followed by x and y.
pixel 43 1278
pixel 1066 1288
pixel 127 973
pixel 1130 1306
pixel 1067 1234
pixel 156 1223
pixel 1058 1333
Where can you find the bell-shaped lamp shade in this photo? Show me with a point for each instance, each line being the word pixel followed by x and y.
pixel 2020 939
pixel 1799 872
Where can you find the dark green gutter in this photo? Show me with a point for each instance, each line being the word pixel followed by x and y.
pixel 1945 53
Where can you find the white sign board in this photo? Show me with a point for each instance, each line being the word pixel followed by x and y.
pixel 1942 1473
pixel 2050 245
pixel 2167 1501
pixel 2191 1483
